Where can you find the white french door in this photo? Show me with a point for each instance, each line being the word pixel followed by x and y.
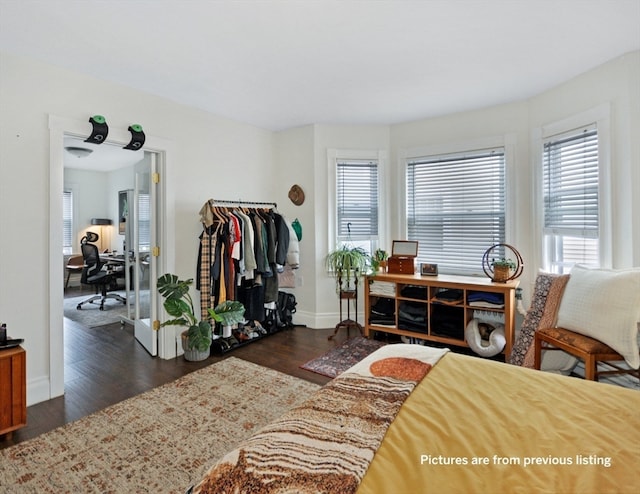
pixel 141 254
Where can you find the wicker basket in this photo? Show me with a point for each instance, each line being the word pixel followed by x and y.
pixel 501 273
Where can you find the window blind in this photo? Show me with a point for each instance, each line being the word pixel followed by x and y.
pixel 144 221
pixel 67 222
pixel 570 181
pixel 357 199
pixel 456 208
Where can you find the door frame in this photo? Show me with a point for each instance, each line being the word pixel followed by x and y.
pixel 58 128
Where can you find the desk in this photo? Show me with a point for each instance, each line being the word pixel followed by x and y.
pixel 116 266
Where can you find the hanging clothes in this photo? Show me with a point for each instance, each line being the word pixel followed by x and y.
pixel 205 275
pixel 242 250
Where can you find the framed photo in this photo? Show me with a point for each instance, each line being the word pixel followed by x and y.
pixel 427 269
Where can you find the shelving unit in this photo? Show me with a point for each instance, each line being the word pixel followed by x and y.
pixel 420 294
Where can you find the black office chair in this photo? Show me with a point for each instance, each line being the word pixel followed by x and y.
pixel 93 274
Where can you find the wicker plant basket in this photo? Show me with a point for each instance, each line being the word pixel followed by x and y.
pixel 501 273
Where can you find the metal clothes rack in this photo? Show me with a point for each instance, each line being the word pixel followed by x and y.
pixel 222 202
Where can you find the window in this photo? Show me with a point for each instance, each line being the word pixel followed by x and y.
pixel 357 202
pixel 456 207
pixel 67 222
pixel 571 199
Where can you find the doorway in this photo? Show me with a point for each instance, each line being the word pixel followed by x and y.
pixel 109 192
pixel 59 128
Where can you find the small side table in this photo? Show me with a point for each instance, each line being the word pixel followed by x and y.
pixel 348 323
pixel 13 389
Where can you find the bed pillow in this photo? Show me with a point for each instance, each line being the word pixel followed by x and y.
pixel 604 304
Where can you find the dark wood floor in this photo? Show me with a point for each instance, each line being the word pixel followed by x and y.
pixel 106 365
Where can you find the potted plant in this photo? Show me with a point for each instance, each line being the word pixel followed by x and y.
pixel 502 269
pixel 346 264
pixel 379 260
pixel 196 339
pixel 227 314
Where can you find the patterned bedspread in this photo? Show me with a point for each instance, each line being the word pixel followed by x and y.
pixel 327 443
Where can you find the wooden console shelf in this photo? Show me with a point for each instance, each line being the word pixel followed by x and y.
pixel 419 294
pixel 13 389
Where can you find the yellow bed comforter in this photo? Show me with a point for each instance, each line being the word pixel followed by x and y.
pixel 477 426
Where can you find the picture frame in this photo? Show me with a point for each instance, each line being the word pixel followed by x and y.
pixel 404 248
pixel 428 269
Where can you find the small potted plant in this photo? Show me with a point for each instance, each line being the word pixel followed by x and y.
pixel 379 260
pixel 227 314
pixel 502 269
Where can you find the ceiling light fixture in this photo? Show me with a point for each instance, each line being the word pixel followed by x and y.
pixel 78 152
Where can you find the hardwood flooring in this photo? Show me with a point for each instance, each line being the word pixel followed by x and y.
pixel 105 365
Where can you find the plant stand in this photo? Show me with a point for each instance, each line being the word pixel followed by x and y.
pixel 348 323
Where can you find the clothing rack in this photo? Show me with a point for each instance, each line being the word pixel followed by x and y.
pixel 246 203
pixel 243 248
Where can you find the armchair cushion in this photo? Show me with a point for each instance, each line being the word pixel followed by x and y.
pixel 604 304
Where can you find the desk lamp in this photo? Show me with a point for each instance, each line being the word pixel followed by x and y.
pixel 101 222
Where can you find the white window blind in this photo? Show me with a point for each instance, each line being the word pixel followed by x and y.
pixel 357 200
pixel 144 222
pixel 571 202
pixel 67 222
pixel 456 208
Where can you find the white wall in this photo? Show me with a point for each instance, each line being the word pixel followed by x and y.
pixel 212 157
pixel 293 158
pixel 90 200
pixel 95 195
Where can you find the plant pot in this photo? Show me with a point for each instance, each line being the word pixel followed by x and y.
pixel 192 354
pixel 383 266
pixel 501 273
pixel 226 331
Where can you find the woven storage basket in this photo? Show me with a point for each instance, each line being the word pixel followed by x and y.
pixel 501 273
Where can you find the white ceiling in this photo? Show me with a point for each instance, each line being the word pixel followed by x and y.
pixel 278 64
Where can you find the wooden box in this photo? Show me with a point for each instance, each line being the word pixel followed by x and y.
pixel 403 257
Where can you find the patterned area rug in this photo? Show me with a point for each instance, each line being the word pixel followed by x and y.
pixel 339 359
pixel 163 440
pixel 90 315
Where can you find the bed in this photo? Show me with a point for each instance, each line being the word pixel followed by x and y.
pixel 410 419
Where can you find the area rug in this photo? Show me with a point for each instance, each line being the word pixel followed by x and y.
pixel 339 359
pixel 90 315
pixel 163 440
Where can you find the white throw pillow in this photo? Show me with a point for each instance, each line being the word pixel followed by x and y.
pixel 604 304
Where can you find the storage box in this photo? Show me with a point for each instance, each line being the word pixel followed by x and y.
pixel 403 257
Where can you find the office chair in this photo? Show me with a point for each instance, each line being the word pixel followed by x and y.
pixel 93 274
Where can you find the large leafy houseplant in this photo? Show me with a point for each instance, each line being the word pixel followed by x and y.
pixel 346 263
pixel 179 304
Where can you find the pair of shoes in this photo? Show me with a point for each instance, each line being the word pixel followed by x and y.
pixel 257 327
